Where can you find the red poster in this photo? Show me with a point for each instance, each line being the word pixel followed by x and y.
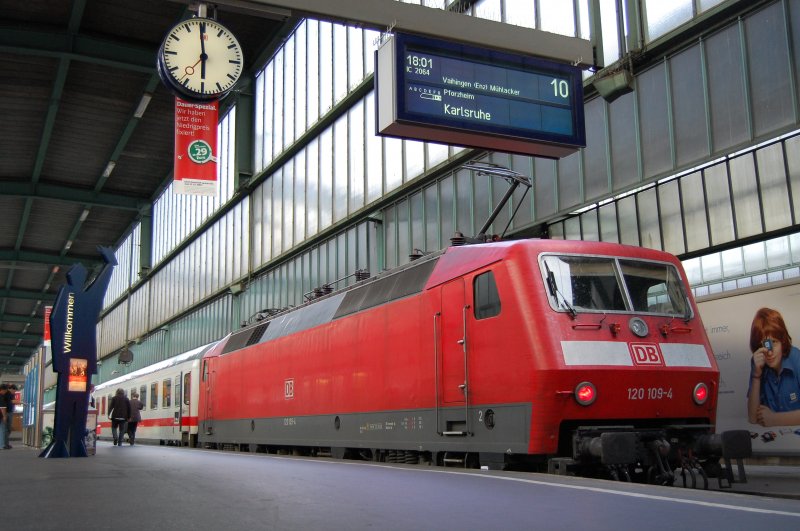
pixel 47 311
pixel 195 144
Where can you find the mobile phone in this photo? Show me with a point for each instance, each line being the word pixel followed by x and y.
pixel 767 344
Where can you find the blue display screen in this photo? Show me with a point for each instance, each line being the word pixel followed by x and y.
pixel 479 90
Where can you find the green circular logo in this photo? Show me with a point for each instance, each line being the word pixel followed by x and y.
pixel 199 152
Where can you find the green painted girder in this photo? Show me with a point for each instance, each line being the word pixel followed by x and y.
pixel 10 255
pixel 18 335
pixel 73 195
pixel 12 318
pixel 15 360
pixel 27 295
pixel 77 47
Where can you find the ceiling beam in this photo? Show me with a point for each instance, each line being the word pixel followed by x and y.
pixel 12 318
pixel 76 47
pixel 15 360
pixel 27 295
pixel 10 255
pixel 70 194
pixel 19 335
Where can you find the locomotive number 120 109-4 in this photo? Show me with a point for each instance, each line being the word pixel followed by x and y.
pixel 649 393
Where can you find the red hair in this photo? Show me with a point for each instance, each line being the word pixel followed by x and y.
pixel 769 323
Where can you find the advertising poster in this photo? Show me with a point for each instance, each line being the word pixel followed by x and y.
pixel 78 378
pixel 195 168
pixel 728 318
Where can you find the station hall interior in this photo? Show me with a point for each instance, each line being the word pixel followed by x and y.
pixel 692 124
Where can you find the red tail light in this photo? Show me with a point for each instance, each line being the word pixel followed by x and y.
pixel 585 393
pixel 700 394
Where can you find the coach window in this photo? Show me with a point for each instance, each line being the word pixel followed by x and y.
pixel 133 390
pixel 166 393
pixel 487 299
pixel 103 406
pixel 187 380
pixel 143 395
pixel 154 395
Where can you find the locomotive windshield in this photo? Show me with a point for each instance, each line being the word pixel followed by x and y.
pixel 601 284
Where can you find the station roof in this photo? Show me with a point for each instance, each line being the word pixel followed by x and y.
pixel 80 162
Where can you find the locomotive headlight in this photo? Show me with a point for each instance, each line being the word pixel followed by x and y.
pixel 700 394
pixel 585 393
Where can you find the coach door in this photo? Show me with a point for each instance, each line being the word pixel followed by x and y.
pixel 453 346
pixel 208 413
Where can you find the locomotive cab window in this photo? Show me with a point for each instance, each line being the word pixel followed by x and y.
pixel 487 298
pixel 580 283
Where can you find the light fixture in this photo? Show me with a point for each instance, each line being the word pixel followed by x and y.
pixel 236 289
pixel 143 103
pixel 109 168
pixel 84 215
pixel 613 85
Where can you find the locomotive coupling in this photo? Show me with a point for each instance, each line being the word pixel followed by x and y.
pixel 612 448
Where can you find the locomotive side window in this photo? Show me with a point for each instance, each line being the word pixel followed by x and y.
pixel 166 393
pixel 143 396
pixel 154 395
pixel 205 370
pixel 487 299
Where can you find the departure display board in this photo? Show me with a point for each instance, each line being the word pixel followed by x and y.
pixel 458 94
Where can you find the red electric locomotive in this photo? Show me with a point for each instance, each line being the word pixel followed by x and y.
pixel 560 355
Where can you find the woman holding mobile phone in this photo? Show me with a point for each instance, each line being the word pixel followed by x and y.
pixel 773 398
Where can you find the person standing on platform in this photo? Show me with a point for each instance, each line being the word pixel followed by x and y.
pixel 136 417
pixel 119 411
pixel 3 440
pixel 8 399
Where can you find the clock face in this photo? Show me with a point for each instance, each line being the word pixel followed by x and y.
pixel 200 59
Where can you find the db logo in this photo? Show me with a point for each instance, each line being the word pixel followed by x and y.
pixel 646 354
pixel 288 389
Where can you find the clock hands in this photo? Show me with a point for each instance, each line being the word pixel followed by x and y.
pixel 189 70
pixel 203 55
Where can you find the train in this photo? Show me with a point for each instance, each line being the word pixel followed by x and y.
pixel 570 357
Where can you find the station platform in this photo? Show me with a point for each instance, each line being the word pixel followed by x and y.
pixel 163 488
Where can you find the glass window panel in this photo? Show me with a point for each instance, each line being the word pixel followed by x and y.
pixel 340 60
pixel 665 16
pixel 437 153
pixel 520 13
pixel 258 141
pixel 417 222
pixel 371 38
pixel 732 263
pixel 610 31
pixel 557 16
pixel 522 194
pixel 356 156
pixel 340 165
pixel 403 233
pixel 499 189
pixel 289 105
pixel 588 227
pixel 269 113
pixel 712 267
pixel 693 272
pixel 792 151
pixel 595 162
pixel 720 214
pixel 300 197
pixel 446 209
pixel 312 73
pixel 326 178
pixel 774 191
pixel 755 259
pixel 483 200
pixel 489 10
pixel 628 224
pixel 726 89
pixel 464 203
pixel 325 67
pixel 745 196
pixel 652 93
pixel 374 152
pixel 544 187
pixel 708 4
pixel 671 220
pixel 279 104
pixel 287 218
pixel 393 158
pixel 767 60
pixel 794 244
pixel 778 253
pixel 390 227
pixel 414 159
pixel 694 211
pixel 572 229
pixel 301 79
pixel 355 56
pixel 688 106
pixel 624 164
pixel 431 219
pixel 569 181
pixel 608 223
pixel 312 187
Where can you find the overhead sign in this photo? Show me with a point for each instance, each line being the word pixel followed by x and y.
pixel 195 170
pixel 442 91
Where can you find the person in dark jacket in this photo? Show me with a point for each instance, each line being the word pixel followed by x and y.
pixel 135 418
pixel 119 411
